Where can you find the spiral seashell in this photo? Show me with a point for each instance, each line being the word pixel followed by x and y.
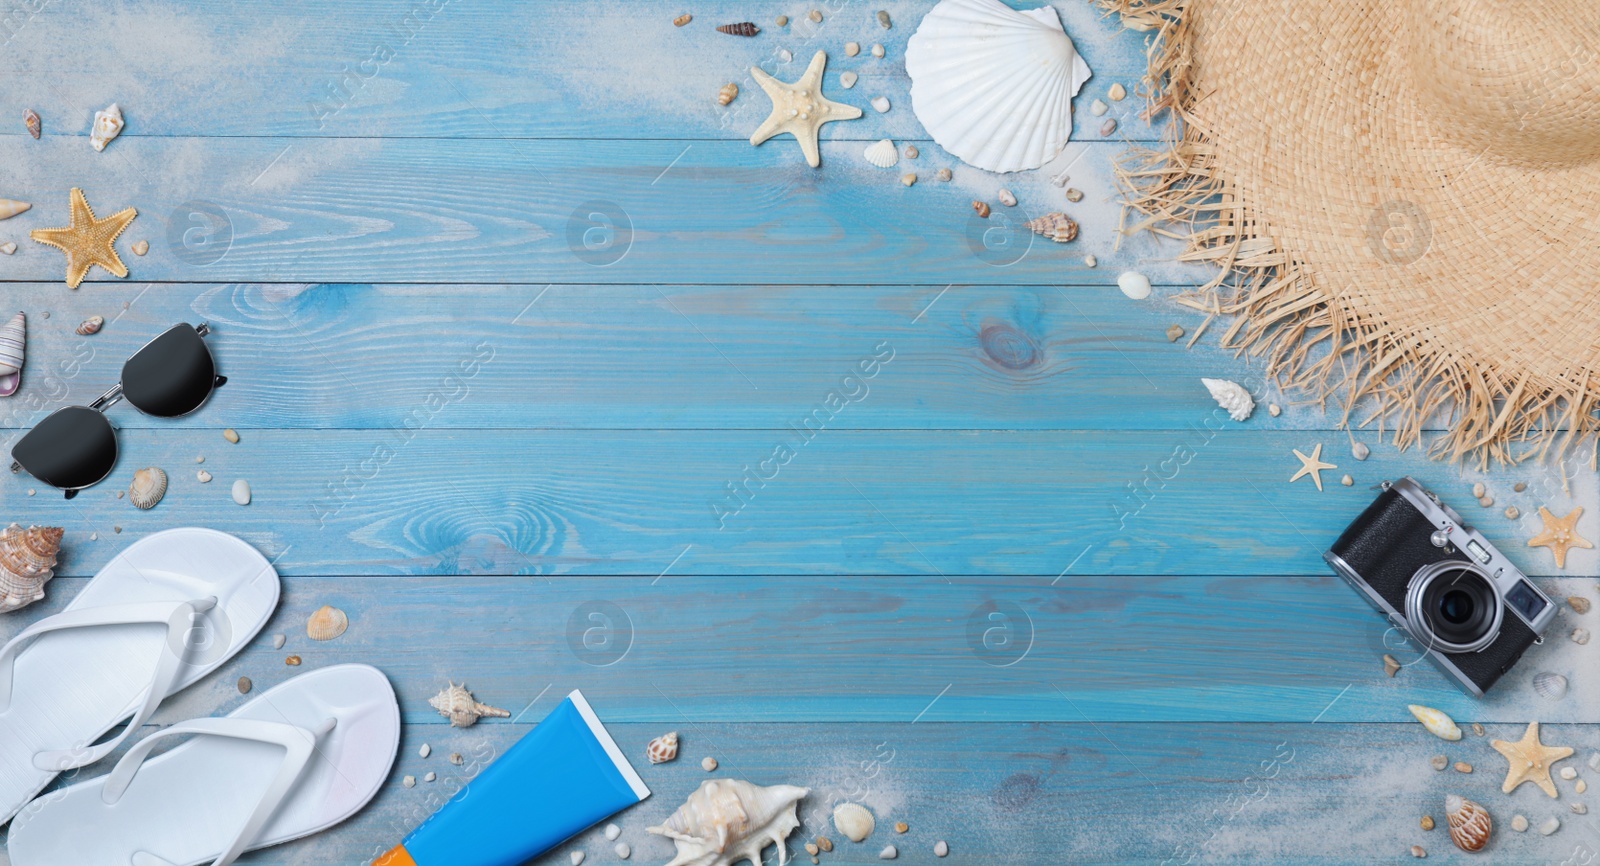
pixel 882 154
pixel 90 326
pixel 149 485
pixel 1056 226
pixel 327 623
pixel 1549 685
pixel 728 93
pixel 31 119
pixel 726 821
pixel 27 560
pixel 456 704
pixel 13 348
pixel 107 125
pixel 1470 823
pixel 1437 723
pixel 1231 396
pixel 743 28
pixel 663 748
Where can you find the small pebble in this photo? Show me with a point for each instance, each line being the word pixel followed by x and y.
pixel 1569 773
pixel 292 661
pixel 1427 822
pixel 241 492
pixel 880 104
pixel 877 50
pixel 432 776
pixel 94 536
pixel 825 844
pixel 622 850
pixel 785 55
pixel 277 641
pixel 708 764
pixel 1173 333
pixel 409 781
pixel 944 174
pixel 883 20
pixel 120 494
pixel 1519 823
pixel 1580 636
pixel 141 247
pixel 912 152
pixel 981 209
pixel 1580 809
pixel 1463 767
pixel 202 476
pixel 1581 786
pixel 682 20
pixel 847 79
pixel 1487 502
pixel 901 826
pixel 1117 93
pixel 46 314
pixel 117 529
pixel 1359 450
pixel 1549 827
pixel 612 832
pixel 889 852
pixel 1098 108
pixel 1108 127
pixel 783 21
pixel 812 849
pixel 1391 665
pixel 1579 603
pixel 940 849
pixel 1479 491
pixel 909 178
pixel 455 758
pixel 8 248
pixel 1512 512
pixel 1417 851
pixel 1274 409
pixel 32 491
pixel 815 15
pixel 1347 481
pixel 1520 486
pixel 851 49
pixel 1090 261
pixel 200 458
pixel 1074 194
pixel 1477 729
pixel 245 685
pixel 1006 198
pixel 577 856
pixel 1134 284
pixel 231 435
pixel 425 751
pixel 1439 762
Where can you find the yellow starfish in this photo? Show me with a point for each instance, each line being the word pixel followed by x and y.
pixel 1530 760
pixel 800 109
pixel 1560 534
pixel 88 241
pixel 1312 466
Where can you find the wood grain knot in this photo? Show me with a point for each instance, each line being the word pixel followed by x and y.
pixel 1009 347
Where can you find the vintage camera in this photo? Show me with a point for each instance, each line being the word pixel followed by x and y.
pixel 1411 557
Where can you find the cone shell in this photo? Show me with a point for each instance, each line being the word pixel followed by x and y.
pixel 1470 824
pixel 149 485
pixel 10 208
pixel 327 623
pixel 27 562
pixel 1056 226
pixel 90 326
pixel 994 85
pixel 1439 724
pixel 31 118
pixel 13 345
pixel 743 28
pixel 107 125
pixel 727 821
pixel 882 154
pixel 663 748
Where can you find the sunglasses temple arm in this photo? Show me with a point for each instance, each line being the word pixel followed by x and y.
pixel 108 399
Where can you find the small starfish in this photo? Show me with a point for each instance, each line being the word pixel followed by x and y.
pixel 800 109
pixel 88 241
pixel 1560 534
pixel 1312 466
pixel 1530 760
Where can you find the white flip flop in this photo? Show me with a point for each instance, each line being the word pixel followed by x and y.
pixel 294 761
pixel 171 608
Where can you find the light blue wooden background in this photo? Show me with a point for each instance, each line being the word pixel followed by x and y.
pixel 1029 590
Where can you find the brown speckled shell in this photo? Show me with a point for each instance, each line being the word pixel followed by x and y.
pixel 1470 823
pixel 1055 226
pixel 27 560
pixel 663 748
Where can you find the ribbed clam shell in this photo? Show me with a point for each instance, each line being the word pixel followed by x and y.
pixel 149 485
pixel 327 623
pixel 1550 685
pixel 994 85
pixel 27 562
pixel 882 154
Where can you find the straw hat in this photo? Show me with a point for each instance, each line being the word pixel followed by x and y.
pixel 1405 199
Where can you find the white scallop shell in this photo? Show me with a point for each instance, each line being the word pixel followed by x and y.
pixel 729 820
pixel 107 125
pixel 1439 724
pixel 994 85
pixel 882 154
pixel 854 821
pixel 1550 685
pixel 1231 396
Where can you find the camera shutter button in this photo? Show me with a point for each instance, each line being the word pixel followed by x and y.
pixel 1440 538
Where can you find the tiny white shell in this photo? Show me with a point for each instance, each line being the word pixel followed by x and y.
pixel 882 154
pixel 425 751
pixel 8 248
pixel 1549 827
pixel 612 832
pixel 431 777
pixel 1580 636
pixel 576 857
pixel 1231 396
pixel 1569 773
pixel 877 50
pixel 1134 284
pixel 1360 451
pixel 622 850
pixel 940 849
pixel 1098 108
pixel 1006 198
pixel 1551 686
pixel 880 104
pixel 1117 92
pixel 409 781
pixel 202 476
pixel 278 641
pixel 889 852
pixel 1437 723
pixel 847 80
pixel 241 492
pixel 854 821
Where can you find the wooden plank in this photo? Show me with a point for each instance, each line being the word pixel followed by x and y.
pixel 454 69
pixel 878 649
pixel 1212 499
pixel 1024 794
pixel 564 211
pixel 644 356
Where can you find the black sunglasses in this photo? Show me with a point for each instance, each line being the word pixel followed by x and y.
pixel 76 447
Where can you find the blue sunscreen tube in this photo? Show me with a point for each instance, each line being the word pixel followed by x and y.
pixel 565 776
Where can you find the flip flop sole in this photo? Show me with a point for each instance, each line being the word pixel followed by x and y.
pixel 71 687
pixel 186 804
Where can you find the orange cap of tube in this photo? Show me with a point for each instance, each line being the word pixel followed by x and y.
pixel 397 856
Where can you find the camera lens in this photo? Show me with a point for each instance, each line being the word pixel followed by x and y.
pixel 1454 607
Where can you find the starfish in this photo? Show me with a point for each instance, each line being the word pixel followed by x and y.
pixel 1560 534
pixel 1312 466
pixel 1530 760
pixel 800 109
pixel 88 241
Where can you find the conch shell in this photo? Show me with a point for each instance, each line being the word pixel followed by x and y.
pixel 27 560
pixel 107 125
pixel 729 820
pixel 1470 823
pixel 456 704
pixel 1231 396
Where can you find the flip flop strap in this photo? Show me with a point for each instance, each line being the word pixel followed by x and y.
pixel 298 744
pixel 179 618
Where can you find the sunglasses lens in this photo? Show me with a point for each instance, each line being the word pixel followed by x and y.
pixel 172 376
pixel 73 448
